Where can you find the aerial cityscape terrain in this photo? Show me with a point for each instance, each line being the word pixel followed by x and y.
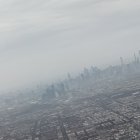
pixel 69 70
pixel 96 105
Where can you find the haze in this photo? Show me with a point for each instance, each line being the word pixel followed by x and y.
pixel 42 40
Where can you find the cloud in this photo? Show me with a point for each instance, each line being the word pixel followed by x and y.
pixel 45 39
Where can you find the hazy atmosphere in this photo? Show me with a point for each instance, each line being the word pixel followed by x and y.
pixel 42 40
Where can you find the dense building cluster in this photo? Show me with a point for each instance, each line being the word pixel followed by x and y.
pixel 98 117
pixel 96 105
pixel 92 78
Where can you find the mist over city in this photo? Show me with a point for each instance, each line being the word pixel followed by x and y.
pixel 69 70
pixel 41 41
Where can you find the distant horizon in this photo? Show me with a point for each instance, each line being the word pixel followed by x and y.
pixel 73 75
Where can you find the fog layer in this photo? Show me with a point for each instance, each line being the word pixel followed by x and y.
pixel 42 40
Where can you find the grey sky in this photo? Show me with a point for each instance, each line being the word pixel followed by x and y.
pixel 42 40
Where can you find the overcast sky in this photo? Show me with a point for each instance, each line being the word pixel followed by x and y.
pixel 42 40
